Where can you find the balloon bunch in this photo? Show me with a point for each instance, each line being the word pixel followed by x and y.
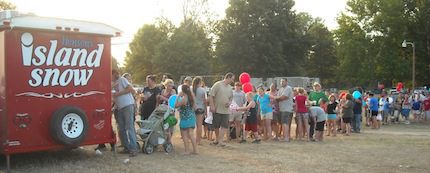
pixel 245 80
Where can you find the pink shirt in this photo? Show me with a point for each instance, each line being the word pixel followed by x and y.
pixel 301 104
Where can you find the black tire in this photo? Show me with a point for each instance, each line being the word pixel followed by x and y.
pixel 148 149
pixel 168 147
pixel 76 126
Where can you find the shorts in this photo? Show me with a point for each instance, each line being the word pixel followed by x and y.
pixel 286 117
pixel 320 126
pixel 302 116
pixel 220 120
pixel 276 117
pixel 405 112
pixel 251 127
pixel 267 116
pixel 331 116
pixel 235 117
pixel 427 115
pixel 346 119
pixel 379 117
pixel 200 111
pixel 185 128
pixel 210 127
pixel 374 113
pixel 367 113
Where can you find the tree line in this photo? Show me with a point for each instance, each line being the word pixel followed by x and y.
pixel 268 38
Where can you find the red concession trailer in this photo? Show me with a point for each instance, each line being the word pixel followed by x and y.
pixel 55 83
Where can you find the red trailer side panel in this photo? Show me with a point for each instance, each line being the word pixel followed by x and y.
pixel 48 70
pixel 3 118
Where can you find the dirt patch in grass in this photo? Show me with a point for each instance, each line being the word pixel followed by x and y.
pixel 391 149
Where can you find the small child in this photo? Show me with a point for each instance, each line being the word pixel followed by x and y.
pixel 416 107
pixel 208 124
pixel 406 108
pixel 332 115
pixel 386 112
pixel 426 107
pixel 250 119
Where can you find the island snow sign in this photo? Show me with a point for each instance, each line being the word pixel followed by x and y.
pixel 55 83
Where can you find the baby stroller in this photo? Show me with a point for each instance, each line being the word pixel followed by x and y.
pixel 153 130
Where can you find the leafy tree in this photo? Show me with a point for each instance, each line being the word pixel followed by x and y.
pixel 369 41
pixel 139 59
pixel 265 38
pixel 6 5
pixel 161 48
pixel 321 61
pixel 186 52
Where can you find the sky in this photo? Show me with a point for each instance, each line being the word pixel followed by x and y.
pixel 130 15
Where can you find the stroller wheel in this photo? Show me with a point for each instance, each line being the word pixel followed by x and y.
pixel 148 149
pixel 168 147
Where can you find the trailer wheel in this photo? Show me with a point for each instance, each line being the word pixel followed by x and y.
pixel 69 126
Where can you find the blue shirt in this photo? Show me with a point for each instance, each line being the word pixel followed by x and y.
pixel 373 104
pixel 357 107
pixel 265 106
pixel 386 106
pixel 416 105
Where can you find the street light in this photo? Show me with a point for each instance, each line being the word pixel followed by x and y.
pixel 404 45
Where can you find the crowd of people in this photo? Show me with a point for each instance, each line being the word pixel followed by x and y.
pixel 267 115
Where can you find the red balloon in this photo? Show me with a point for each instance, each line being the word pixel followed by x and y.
pixel 399 86
pixel 247 87
pixel 244 78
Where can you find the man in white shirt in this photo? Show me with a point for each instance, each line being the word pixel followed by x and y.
pixel 286 95
pixel 124 102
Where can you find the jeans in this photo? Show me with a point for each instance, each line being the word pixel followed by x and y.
pixel 127 133
pixel 120 133
pixel 357 122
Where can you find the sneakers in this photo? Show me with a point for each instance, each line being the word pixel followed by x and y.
pixel 242 141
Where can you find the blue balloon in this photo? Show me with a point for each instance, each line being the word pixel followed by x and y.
pixel 172 101
pixel 356 94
